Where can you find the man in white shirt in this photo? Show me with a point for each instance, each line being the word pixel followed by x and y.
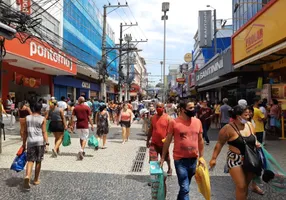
pixel 63 105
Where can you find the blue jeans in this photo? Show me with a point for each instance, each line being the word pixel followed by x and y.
pixel 205 132
pixel 185 169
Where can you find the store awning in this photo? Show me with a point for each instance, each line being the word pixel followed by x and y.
pixel 219 85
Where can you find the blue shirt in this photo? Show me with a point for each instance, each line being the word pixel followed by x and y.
pixel 96 106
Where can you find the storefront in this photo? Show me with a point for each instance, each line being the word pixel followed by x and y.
pixel 215 77
pixel 65 85
pixel 28 69
pixel 134 91
pixel 110 91
pixel 259 47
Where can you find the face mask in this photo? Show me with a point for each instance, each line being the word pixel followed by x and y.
pixel 190 113
pixel 243 121
pixel 160 111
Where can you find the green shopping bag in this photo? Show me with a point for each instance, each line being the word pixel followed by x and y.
pixel 93 142
pixel 66 139
pixel 48 127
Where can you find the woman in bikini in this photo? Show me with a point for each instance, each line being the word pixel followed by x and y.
pixel 230 134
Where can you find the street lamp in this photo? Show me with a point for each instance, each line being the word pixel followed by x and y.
pixel 162 80
pixel 215 44
pixel 165 8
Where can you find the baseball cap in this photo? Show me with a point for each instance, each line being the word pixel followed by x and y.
pixel 242 102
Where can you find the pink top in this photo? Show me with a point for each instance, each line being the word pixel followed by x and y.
pixel 125 116
pixel 186 137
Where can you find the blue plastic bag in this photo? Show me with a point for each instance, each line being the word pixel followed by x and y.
pixel 93 142
pixel 19 162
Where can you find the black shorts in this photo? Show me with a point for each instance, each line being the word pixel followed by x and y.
pixel 36 153
pixel 56 126
pixel 125 124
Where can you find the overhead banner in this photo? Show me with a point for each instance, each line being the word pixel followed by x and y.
pixel 205 28
pixel 20 79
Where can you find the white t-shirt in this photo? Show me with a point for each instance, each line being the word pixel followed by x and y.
pixel 135 105
pixel 263 110
pixel 63 105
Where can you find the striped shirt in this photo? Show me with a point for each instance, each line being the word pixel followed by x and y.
pixel 34 129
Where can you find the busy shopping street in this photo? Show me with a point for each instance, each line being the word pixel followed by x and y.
pixel 107 174
pixel 143 100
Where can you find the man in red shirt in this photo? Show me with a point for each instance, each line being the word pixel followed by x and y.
pixel 82 113
pixel 205 114
pixel 158 132
pixel 188 146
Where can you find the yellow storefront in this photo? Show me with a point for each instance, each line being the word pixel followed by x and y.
pixel 260 46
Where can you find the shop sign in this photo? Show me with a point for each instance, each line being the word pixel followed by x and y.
pixel 192 80
pixel 180 80
pixel 85 85
pixel 41 52
pixel 209 70
pixel 20 79
pixel 264 30
pixel 205 28
pixel 25 6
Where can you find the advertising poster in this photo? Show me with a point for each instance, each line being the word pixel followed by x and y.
pixel 23 80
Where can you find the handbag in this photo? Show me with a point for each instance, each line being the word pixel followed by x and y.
pixel 251 162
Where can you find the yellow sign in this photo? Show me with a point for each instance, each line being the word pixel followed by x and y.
pixel 188 57
pixel 267 29
pixel 274 65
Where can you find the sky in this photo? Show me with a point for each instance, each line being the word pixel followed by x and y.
pixel 181 27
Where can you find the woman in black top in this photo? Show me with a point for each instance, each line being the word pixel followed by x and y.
pixel 229 134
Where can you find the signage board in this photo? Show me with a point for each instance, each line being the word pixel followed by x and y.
pixel 205 72
pixel 188 57
pixel 264 30
pixel 205 28
pixel 42 52
pixel 25 6
pixel 85 85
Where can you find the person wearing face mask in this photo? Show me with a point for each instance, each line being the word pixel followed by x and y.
pixel 230 134
pixel 188 146
pixel 158 132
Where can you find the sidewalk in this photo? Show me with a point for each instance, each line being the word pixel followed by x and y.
pixel 106 174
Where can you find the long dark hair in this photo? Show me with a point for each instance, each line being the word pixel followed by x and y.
pixel 102 107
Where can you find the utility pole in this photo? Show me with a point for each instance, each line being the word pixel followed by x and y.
pixel 120 56
pixel 128 39
pixel 104 56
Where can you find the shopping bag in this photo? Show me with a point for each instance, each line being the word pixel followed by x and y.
pixel 93 142
pixel 66 139
pixel 19 162
pixel 48 127
pixel 203 179
pixel 273 173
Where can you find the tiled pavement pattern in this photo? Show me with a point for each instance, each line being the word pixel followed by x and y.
pixel 105 174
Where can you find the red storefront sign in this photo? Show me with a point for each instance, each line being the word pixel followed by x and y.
pixel 25 6
pixel 20 79
pixel 192 80
pixel 39 51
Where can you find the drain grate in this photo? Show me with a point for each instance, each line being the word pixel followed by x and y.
pixel 139 160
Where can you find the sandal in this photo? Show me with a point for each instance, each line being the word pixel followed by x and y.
pixel 169 172
pixel 36 182
pixel 257 190
pixel 27 183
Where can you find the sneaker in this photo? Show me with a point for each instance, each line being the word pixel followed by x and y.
pixel 80 155
pixel 207 143
pixel 54 153
pixel 96 148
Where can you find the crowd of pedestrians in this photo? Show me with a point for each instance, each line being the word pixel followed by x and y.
pixel 185 123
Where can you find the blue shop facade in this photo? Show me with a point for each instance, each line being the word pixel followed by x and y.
pixel 74 88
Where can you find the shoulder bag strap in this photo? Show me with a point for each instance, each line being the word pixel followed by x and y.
pixel 237 131
pixel 249 128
